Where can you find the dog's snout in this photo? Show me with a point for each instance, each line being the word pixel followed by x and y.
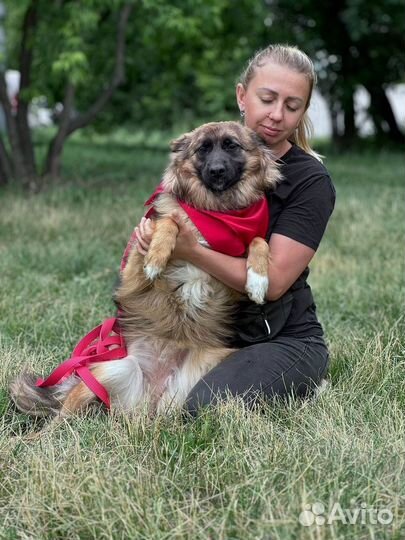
pixel 217 170
pixel 220 167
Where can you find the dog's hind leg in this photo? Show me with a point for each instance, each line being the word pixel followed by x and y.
pixel 122 378
pixel 197 363
pixel 257 265
pixel 78 399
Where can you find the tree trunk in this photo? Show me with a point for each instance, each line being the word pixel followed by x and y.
pixel 5 165
pixel 335 111
pixel 53 158
pixel 349 114
pixel 25 62
pixel 21 163
pixel 382 114
pixel 17 160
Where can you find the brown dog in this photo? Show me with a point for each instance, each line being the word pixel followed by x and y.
pixel 176 318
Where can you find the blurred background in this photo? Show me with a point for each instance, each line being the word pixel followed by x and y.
pixel 143 71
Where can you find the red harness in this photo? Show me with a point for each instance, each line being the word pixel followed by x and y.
pixel 103 343
pixel 229 233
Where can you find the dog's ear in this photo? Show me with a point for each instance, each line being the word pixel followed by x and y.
pixel 257 140
pixel 181 144
pixel 269 166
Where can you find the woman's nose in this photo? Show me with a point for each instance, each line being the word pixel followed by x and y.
pixel 276 113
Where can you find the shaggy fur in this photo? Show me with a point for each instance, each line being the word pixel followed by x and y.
pixel 176 319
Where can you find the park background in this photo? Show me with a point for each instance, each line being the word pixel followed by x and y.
pixel 103 87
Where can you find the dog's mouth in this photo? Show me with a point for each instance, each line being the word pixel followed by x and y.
pixel 220 185
pixel 219 178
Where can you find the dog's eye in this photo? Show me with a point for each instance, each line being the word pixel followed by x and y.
pixel 229 144
pixel 204 148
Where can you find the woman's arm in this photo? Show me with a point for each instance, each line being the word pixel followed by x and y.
pixel 288 259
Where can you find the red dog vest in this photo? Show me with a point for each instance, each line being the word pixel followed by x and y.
pixel 230 232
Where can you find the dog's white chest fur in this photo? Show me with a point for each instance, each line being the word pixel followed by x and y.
pixel 192 285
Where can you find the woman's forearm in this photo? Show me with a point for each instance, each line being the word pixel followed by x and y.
pixel 289 259
pixel 227 269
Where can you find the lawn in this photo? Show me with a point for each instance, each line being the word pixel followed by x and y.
pixel 232 474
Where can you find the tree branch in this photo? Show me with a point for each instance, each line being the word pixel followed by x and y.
pixel 30 24
pixel 6 171
pixel 18 168
pixel 117 78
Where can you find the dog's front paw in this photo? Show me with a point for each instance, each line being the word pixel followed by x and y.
pixel 256 286
pixel 152 272
pixel 154 263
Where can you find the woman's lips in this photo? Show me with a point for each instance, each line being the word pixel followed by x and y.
pixel 271 131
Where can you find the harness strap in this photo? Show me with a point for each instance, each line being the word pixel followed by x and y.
pixel 101 344
pixel 94 385
pixel 127 251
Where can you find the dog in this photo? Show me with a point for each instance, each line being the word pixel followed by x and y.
pixel 176 319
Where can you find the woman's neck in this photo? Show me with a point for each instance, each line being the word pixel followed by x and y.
pixel 281 149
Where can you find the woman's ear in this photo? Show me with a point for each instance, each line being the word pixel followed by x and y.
pixel 180 144
pixel 240 96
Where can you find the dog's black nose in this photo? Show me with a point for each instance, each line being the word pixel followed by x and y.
pixel 217 171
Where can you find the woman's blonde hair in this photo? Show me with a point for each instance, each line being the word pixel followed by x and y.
pixel 295 59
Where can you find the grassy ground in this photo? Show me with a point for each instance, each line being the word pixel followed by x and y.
pixel 231 474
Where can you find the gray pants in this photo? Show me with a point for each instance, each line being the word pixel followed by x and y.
pixel 280 367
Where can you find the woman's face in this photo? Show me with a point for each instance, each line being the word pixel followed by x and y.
pixel 274 103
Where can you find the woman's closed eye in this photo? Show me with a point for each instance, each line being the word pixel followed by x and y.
pixel 288 107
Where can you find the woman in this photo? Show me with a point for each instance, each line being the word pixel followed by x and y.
pixel 283 350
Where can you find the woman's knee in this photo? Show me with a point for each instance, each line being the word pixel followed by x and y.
pixel 265 371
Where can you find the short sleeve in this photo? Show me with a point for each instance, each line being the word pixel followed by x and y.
pixel 307 211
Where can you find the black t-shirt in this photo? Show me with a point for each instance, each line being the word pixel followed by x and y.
pixel 300 208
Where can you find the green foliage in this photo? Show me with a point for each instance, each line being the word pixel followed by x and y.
pixel 74 41
pixel 354 42
pixel 183 57
pixel 182 61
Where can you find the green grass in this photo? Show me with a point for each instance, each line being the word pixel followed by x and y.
pixel 232 474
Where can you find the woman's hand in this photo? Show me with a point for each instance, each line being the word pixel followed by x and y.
pixel 143 233
pixel 186 242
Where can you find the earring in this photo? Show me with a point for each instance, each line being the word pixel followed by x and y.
pixel 242 113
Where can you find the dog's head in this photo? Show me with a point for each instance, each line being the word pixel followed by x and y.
pixel 220 166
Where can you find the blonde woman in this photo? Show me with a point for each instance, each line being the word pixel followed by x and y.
pixel 282 349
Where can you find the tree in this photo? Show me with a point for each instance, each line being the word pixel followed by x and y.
pixel 354 42
pixel 183 63
pixel 59 48
pixel 180 53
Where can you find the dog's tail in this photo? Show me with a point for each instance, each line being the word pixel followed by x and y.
pixel 34 400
